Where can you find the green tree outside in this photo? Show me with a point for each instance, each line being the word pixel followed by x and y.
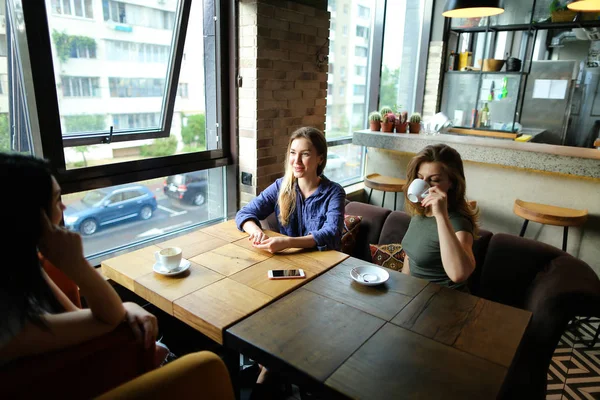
pixel 85 123
pixel 388 95
pixel 4 133
pixel 160 147
pixel 194 133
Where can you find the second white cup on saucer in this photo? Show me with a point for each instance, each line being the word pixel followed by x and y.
pixel 169 257
pixel 418 190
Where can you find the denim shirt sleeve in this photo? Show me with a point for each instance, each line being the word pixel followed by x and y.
pixel 329 237
pixel 260 207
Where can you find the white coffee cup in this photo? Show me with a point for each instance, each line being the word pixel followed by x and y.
pixel 169 257
pixel 418 190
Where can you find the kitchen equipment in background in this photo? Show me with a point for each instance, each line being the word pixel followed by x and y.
pixel 513 64
pixel 547 99
pixel 491 64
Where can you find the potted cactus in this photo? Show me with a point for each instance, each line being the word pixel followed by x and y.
pixel 387 123
pixel 385 110
pixel 414 123
pixel 402 122
pixel 375 121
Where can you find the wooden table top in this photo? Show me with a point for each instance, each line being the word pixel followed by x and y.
pixel 405 338
pixel 227 280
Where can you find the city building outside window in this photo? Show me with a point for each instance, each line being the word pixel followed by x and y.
pixel 118 50
pixel 360 70
pixel 131 14
pixel 78 8
pixel 343 50
pixel 360 51
pixel 346 9
pixel 182 90
pixel 76 86
pixel 136 87
pixel 135 121
pixel 360 90
pixel 345 30
pixel 364 12
pixel 362 31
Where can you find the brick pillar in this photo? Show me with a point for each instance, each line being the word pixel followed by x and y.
pixel 283 85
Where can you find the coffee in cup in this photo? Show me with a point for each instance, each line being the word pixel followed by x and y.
pixel 417 191
pixel 169 257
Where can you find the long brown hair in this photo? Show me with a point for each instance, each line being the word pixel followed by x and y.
pixel 452 164
pixel 287 192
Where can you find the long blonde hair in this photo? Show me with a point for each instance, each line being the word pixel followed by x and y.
pixel 453 166
pixel 287 192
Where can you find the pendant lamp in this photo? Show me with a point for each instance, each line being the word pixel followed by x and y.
pixel 473 8
pixel 585 5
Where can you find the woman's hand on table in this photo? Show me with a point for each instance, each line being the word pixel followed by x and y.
pixel 438 201
pixel 273 245
pixel 257 237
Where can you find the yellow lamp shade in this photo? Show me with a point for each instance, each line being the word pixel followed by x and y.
pixel 472 8
pixel 585 6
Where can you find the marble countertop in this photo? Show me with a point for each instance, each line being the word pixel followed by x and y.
pixel 533 156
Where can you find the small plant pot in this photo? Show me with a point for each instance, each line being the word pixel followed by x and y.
pixel 415 127
pixel 401 127
pixel 375 126
pixel 387 127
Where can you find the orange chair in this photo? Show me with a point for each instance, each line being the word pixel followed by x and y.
pixel 80 372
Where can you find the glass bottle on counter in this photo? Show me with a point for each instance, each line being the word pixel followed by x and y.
pixel 484 120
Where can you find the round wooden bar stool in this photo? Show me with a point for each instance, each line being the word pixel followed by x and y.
pixel 385 184
pixel 549 215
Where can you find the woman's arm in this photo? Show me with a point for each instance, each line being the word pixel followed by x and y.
pixel 259 208
pixel 329 236
pixel 406 266
pixel 278 243
pixel 64 249
pixel 59 294
pixel 456 250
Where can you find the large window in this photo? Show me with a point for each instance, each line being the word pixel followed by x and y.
pixel 372 75
pixel 157 161
pixel 401 55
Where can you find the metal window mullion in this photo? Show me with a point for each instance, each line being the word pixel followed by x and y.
pixel 374 66
pixel 425 36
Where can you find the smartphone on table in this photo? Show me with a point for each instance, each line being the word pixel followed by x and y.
pixel 286 274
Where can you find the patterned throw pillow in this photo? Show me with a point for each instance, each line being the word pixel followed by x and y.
pixel 350 233
pixel 388 255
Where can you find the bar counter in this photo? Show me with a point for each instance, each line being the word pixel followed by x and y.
pixel 532 156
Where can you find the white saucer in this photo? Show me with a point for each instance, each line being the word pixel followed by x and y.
pixel 183 266
pixel 369 275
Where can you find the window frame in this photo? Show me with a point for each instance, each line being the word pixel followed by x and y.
pixel 42 104
pixel 40 41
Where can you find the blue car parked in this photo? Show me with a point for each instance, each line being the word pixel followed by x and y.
pixel 109 205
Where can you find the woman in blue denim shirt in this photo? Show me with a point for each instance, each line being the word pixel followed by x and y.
pixel 309 207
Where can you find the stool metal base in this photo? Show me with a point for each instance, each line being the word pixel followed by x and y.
pixel 383 200
pixel 565 234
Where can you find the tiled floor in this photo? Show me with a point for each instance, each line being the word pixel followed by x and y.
pixel 575 368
